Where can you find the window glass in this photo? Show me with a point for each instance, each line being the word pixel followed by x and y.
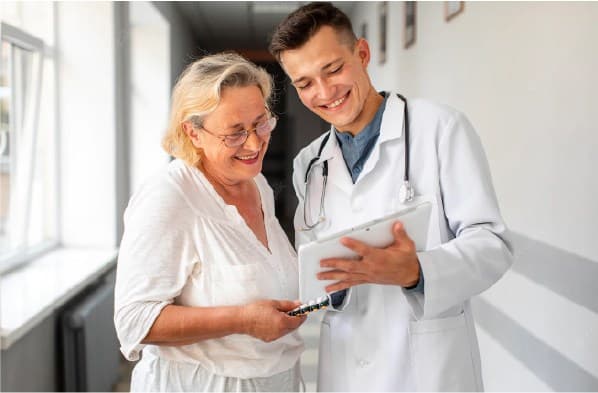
pixel 28 159
pixel 5 151
pixel 34 17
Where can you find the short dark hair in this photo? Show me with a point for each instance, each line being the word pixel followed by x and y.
pixel 300 25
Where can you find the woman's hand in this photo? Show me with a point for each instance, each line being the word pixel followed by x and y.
pixel 268 319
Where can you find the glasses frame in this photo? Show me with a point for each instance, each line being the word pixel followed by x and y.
pixel 272 120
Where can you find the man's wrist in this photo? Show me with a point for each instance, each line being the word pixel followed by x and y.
pixel 418 285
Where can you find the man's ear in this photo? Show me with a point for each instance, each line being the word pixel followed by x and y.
pixel 192 133
pixel 363 51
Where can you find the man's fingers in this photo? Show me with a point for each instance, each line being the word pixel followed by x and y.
pixel 339 286
pixel 401 236
pixel 359 247
pixel 340 275
pixel 346 265
pixel 398 230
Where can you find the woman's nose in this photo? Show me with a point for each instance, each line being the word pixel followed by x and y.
pixel 253 142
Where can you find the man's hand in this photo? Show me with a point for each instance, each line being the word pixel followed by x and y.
pixel 396 264
pixel 268 319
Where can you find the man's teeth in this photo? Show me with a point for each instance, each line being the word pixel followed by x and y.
pixel 336 103
pixel 251 157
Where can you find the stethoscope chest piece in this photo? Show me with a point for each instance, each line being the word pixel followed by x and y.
pixel 406 192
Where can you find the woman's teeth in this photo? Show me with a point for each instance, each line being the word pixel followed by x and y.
pixel 251 157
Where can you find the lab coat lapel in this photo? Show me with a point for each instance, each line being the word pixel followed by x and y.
pixel 338 174
pixel 390 128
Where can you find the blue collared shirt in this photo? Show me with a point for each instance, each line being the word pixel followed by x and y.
pixel 356 149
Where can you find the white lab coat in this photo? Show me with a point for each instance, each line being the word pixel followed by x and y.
pixel 387 338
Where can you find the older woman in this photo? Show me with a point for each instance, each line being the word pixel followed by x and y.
pixel 202 247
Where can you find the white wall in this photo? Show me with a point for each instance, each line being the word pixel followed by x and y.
pixel 524 73
pixel 86 116
pixel 156 44
pixel 149 90
pixel 182 41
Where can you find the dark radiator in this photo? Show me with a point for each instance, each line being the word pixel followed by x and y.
pixel 90 353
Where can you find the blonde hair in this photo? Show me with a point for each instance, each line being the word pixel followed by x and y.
pixel 198 92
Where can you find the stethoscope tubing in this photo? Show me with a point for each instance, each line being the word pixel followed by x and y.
pixel 406 128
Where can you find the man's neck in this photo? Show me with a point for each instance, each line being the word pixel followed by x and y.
pixel 370 107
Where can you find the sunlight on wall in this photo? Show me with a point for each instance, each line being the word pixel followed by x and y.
pixel 150 90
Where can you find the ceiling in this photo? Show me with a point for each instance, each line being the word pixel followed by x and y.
pixel 238 25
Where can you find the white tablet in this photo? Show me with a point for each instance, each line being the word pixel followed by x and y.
pixel 376 233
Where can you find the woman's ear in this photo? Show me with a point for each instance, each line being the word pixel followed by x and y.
pixel 192 133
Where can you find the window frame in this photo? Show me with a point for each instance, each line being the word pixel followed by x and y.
pixel 18 38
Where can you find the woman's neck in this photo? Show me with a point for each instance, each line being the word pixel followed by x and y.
pixel 227 188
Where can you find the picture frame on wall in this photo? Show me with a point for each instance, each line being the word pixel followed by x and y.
pixel 383 14
pixel 409 32
pixel 452 9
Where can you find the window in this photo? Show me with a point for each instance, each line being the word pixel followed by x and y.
pixel 28 166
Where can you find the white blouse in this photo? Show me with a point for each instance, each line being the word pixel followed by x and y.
pixel 184 245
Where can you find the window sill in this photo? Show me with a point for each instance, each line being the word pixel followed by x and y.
pixel 31 293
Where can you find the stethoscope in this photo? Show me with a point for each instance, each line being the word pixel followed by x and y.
pixel 406 191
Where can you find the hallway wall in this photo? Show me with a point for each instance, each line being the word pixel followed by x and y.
pixel 523 74
pixel 182 41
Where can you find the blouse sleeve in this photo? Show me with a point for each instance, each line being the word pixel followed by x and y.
pixel 155 259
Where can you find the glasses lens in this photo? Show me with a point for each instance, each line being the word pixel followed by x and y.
pixel 236 139
pixel 262 129
pixel 266 127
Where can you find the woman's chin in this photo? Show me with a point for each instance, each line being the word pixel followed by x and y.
pixel 249 170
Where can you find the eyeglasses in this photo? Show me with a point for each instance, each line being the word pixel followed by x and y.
pixel 263 129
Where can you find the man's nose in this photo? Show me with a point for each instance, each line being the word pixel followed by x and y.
pixel 325 89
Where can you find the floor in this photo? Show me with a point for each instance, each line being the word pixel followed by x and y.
pixel 310 331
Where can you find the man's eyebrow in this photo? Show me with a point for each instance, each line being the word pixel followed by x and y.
pixel 326 66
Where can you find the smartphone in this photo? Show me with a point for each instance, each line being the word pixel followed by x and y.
pixel 314 305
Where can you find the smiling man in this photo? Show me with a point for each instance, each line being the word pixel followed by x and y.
pixel 332 81
pixel 400 318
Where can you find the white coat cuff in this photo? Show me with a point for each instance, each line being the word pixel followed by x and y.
pixel 421 302
pixel 345 302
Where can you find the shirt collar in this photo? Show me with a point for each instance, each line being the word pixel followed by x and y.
pixel 370 131
pixel 391 127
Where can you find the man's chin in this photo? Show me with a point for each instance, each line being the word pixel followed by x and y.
pixel 336 120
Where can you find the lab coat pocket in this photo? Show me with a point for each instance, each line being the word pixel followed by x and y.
pixel 325 374
pixel 234 284
pixel 441 354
